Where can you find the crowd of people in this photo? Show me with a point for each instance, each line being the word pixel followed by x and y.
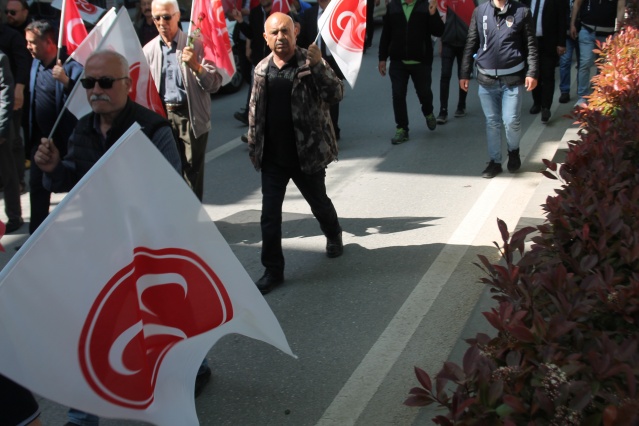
pixel 292 108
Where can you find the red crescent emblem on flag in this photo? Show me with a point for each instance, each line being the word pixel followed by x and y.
pixel 163 297
pixel 75 32
pixel 347 24
pixel 85 6
pixel 134 73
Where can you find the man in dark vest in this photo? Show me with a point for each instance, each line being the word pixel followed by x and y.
pixel 107 83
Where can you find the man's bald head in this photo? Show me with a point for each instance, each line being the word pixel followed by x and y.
pixel 280 34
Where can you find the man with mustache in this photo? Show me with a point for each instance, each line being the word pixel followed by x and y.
pixel 291 136
pixel 50 84
pixel 107 84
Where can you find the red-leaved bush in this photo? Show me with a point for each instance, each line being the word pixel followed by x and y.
pixel 566 350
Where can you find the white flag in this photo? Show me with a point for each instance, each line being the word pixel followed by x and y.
pixel 133 285
pixel 120 36
pixel 343 29
pixel 88 11
pixel 91 43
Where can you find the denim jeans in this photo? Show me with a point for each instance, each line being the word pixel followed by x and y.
pixel 501 103
pixel 587 43
pixel 399 74
pixel 275 178
pixel 565 64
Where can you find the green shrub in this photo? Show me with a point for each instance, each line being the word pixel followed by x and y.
pixel 567 321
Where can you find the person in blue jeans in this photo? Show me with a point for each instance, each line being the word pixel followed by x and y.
pixel 599 19
pixel 507 64
pixel 565 61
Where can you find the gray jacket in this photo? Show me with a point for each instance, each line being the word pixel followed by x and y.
pixel 198 89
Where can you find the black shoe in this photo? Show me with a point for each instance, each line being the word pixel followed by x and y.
pixel 244 137
pixel 564 98
pixel 201 380
pixel 460 112
pixel 545 115
pixel 535 109
pixel 442 118
pixel 268 281
pixel 431 121
pixel 514 162
pixel 334 246
pixel 242 116
pixel 492 170
pixel 13 225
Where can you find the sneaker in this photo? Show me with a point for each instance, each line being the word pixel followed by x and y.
pixel 401 136
pixel 431 121
pixel 535 109
pixel 514 162
pixel 460 112
pixel 564 98
pixel 334 246
pixel 242 116
pixel 442 118
pixel 581 103
pixel 492 170
pixel 545 115
pixel 244 137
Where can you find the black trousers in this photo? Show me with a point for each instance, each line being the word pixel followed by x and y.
pixel 39 197
pixel 449 55
pixel 399 74
pixel 275 178
pixel 10 178
pixel 545 90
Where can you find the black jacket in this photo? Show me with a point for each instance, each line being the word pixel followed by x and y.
pixel 254 30
pixel 410 40
pixel 507 42
pixel 553 25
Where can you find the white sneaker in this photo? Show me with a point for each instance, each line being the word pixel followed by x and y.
pixel 581 103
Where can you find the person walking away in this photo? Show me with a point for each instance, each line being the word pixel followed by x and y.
pixel 565 62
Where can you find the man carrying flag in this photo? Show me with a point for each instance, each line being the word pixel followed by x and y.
pixel 50 84
pixel 184 77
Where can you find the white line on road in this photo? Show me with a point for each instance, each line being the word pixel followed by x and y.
pixel 361 387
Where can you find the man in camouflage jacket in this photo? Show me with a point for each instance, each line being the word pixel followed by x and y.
pixel 291 137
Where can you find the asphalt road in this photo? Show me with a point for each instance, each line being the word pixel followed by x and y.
pixel 415 216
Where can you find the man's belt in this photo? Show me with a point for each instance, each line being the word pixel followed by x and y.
pixel 500 72
pixel 174 107
pixel 607 30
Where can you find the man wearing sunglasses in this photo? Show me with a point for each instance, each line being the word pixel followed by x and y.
pixel 184 79
pixel 50 84
pixel 107 83
pixel 17 12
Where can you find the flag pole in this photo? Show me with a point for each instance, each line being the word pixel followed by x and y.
pixel 61 31
pixel 75 87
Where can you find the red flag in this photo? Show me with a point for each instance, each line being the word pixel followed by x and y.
pixel 462 8
pixel 343 26
pixel 72 31
pixel 208 24
pixel 280 6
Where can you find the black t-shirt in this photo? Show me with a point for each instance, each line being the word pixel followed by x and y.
pixel 279 144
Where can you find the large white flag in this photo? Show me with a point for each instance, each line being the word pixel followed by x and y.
pixel 111 305
pixel 343 29
pixel 120 36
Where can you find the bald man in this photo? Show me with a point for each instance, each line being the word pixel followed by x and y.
pixel 291 137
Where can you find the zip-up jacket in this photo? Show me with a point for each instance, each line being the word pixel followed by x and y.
pixel 314 89
pixel 505 44
pixel 410 40
pixel 599 15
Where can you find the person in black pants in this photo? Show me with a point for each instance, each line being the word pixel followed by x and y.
pixel 17 405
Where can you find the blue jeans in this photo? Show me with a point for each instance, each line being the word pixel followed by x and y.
pixel 565 62
pixel 501 103
pixel 587 43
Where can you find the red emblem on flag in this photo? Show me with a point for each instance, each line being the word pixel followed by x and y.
pixel 161 298
pixel 347 24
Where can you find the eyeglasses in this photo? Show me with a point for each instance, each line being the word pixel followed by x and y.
pixel 104 82
pixel 10 12
pixel 166 18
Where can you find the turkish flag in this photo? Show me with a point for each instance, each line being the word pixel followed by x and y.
pixel 72 29
pixel 208 25
pixel 117 33
pixel 280 6
pixel 343 29
pixel 462 8
pixel 133 287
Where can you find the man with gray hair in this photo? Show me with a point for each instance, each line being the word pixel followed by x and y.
pixel 107 82
pixel 184 79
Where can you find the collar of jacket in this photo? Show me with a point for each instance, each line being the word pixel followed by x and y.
pixel 499 11
pixel 300 57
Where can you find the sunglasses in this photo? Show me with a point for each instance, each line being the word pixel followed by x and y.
pixel 10 12
pixel 166 18
pixel 104 82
